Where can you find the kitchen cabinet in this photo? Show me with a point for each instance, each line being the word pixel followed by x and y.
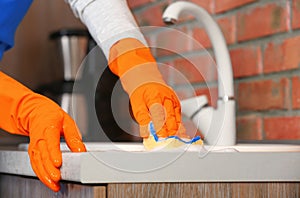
pixel 18 186
pixel 14 186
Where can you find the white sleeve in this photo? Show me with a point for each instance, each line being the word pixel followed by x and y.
pixel 108 21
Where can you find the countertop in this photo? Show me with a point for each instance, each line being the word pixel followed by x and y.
pixel 129 163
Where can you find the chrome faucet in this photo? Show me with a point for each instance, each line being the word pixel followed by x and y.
pixel 217 125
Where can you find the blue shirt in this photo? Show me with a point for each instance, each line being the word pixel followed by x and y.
pixel 11 14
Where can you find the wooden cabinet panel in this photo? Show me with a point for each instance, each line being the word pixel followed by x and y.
pixel 27 187
pixel 16 186
pixel 207 190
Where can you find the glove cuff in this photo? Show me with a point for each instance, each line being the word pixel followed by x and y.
pixel 134 64
pixel 140 75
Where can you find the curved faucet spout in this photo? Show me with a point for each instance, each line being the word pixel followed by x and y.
pixel 225 79
pixel 218 125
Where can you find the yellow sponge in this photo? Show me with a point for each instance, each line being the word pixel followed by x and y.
pixel 171 142
pixel 168 143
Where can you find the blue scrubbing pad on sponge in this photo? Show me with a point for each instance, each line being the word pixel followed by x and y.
pixel 154 142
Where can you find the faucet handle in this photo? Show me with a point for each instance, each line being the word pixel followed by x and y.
pixel 191 106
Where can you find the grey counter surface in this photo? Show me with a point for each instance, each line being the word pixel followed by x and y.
pixel 129 163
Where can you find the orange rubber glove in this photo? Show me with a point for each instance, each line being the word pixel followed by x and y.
pixel 150 97
pixel 24 112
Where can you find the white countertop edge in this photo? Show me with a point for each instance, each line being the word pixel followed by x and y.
pixel 214 167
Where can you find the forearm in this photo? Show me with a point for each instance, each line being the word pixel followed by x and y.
pixel 108 21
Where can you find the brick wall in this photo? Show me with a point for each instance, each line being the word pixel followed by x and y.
pixel 263 37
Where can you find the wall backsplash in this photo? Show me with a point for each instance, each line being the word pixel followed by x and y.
pixel 264 42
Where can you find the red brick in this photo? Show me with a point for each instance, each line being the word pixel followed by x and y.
pixel 296 14
pixel 195 69
pixel 262 21
pixel 282 127
pixel 224 5
pixel 211 93
pixel 246 61
pixel 296 92
pixel 249 127
pixel 138 3
pixel 172 41
pixel 282 56
pixel 152 16
pixel 227 25
pixel 201 39
pixel 184 92
pixel 206 4
pixel 263 95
